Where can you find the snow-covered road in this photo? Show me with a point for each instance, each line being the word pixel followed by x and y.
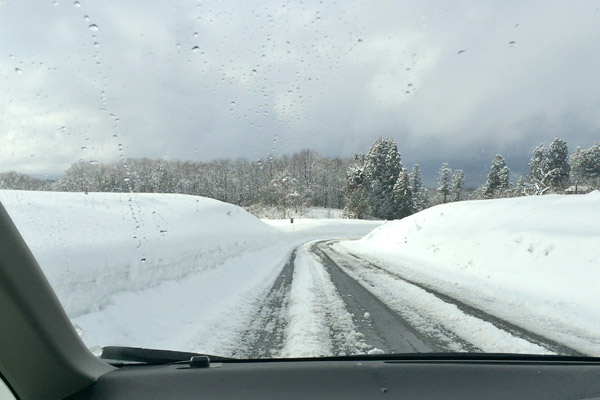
pixel 327 302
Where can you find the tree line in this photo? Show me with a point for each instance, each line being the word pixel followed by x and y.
pixel 371 185
pixel 379 186
pixel 283 184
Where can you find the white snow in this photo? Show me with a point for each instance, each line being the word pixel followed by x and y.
pixel 158 270
pixel 319 324
pixel 533 261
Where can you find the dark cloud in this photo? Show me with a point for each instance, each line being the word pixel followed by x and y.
pixel 456 82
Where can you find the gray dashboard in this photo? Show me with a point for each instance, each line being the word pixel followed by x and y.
pixel 351 380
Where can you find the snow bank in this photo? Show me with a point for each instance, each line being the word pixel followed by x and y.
pixel 158 270
pixel 92 246
pixel 534 261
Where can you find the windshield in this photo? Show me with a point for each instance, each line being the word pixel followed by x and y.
pixel 311 178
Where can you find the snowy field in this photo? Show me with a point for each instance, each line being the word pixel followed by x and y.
pixel 309 212
pixel 532 261
pixel 159 270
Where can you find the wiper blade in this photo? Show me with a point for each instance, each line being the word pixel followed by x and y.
pixel 121 354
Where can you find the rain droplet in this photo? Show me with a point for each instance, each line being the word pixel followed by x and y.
pixel 77 4
pixel 96 44
pixel 195 34
pixel 125 179
pixel 142 260
pixel 86 18
pixel 93 27
pixel 195 49
pixel 18 70
pixel 83 148
pixel 93 162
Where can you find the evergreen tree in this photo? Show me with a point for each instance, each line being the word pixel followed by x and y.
pixel 356 197
pixel 585 165
pixel 576 164
pixel 382 167
pixel 420 193
pixel 458 185
pixel 498 178
pixel 444 183
pixel 403 196
pixel 541 175
pixel 521 186
pixel 558 159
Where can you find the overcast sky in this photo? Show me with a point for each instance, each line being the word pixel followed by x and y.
pixel 450 81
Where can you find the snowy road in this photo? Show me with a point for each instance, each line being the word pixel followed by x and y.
pixel 327 301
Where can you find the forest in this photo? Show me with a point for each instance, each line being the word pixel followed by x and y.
pixel 372 185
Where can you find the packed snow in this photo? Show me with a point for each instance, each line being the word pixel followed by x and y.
pixel 533 261
pixel 319 324
pixel 159 270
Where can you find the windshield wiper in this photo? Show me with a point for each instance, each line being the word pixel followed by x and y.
pixel 119 355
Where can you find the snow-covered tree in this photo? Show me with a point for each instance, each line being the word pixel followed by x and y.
pixel 585 165
pixel 382 167
pixel 521 186
pixel 403 196
pixel 17 181
pixel 558 159
pixel 444 183
pixel 458 185
pixel 498 179
pixel 541 175
pixel 356 194
pixel 420 193
pixel 284 186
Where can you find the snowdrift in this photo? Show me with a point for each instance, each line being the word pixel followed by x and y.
pixel 534 261
pixel 92 246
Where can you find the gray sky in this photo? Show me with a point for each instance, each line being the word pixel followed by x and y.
pixel 278 76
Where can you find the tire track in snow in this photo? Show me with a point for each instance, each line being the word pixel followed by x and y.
pixel 382 327
pixel 499 323
pixel 318 322
pixel 265 334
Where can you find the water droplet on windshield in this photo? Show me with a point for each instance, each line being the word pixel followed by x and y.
pixel 77 4
pixel 93 27
pixel 86 18
pixel 195 34
pixel 18 70
pixel 83 148
pixel 125 179
pixel 94 162
pixel 195 49
pixel 96 44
